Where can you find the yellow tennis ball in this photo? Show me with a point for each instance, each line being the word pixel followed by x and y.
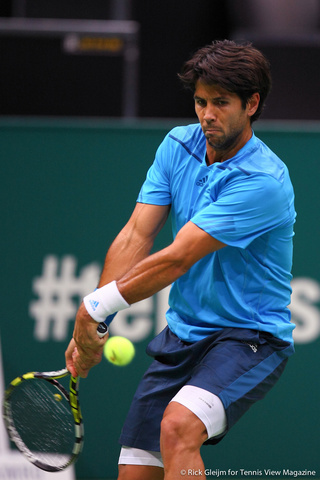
pixel 119 351
pixel 58 397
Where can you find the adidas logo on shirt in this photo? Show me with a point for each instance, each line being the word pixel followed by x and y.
pixel 202 181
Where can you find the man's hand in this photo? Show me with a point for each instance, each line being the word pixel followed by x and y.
pixel 86 347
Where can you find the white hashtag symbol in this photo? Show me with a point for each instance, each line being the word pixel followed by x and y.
pixel 57 291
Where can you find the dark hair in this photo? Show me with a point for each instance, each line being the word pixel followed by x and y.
pixel 238 68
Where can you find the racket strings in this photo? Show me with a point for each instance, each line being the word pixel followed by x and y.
pixel 42 418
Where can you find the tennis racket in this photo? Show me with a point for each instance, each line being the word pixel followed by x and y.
pixel 44 420
pixel 43 417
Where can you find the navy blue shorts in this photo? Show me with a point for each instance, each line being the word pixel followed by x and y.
pixel 238 365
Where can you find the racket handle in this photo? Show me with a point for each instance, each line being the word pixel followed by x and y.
pixel 102 329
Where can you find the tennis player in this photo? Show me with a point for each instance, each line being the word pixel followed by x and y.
pixel 229 333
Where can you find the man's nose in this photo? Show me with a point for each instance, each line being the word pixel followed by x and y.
pixel 210 113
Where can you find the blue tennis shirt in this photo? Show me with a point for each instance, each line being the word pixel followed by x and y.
pixel 246 202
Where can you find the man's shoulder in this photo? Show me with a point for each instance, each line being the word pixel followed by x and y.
pixel 258 158
pixel 186 134
pixel 189 139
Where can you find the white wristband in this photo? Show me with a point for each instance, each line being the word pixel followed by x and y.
pixel 104 301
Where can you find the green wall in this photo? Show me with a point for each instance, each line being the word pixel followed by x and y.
pixel 67 187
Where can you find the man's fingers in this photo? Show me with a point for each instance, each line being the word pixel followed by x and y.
pixel 84 360
pixel 69 358
pixel 89 346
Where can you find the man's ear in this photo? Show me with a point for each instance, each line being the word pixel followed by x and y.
pixel 253 104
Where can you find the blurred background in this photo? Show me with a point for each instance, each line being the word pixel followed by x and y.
pixel 88 90
pixel 47 70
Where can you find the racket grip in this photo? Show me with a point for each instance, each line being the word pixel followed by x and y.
pixel 102 329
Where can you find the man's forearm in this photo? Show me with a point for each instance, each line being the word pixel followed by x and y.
pixel 134 242
pixel 153 273
pixel 123 254
pixel 149 276
pixel 159 270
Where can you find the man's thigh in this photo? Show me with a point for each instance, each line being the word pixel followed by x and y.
pixel 237 365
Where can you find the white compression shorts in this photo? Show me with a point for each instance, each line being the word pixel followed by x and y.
pixel 205 405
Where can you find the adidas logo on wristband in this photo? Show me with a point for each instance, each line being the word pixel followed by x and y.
pixel 94 304
pixel 104 302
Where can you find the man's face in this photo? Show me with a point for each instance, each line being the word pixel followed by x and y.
pixel 224 122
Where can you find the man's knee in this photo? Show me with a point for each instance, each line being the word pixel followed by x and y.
pixel 206 406
pixel 181 428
